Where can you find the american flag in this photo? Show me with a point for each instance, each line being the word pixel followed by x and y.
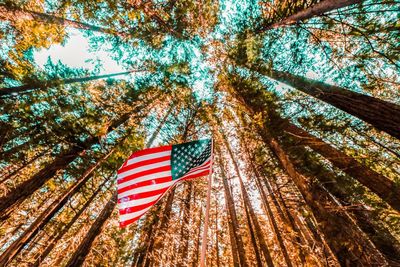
pixel 148 174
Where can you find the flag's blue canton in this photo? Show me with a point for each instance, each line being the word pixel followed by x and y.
pixel 186 156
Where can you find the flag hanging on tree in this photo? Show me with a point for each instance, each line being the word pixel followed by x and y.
pixel 148 174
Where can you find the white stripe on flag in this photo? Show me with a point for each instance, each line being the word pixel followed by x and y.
pixel 149 156
pixel 144 178
pixel 137 202
pixel 144 168
pixel 132 215
pixel 143 189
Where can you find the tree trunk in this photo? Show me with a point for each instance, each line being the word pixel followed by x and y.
pixel 25 189
pixel 313 11
pixel 252 237
pixel 84 247
pixel 383 115
pixel 47 215
pixel 184 242
pixel 195 258
pixel 348 243
pixel 51 83
pixel 233 218
pixel 11 13
pixel 377 183
pixel 59 235
pixel 249 208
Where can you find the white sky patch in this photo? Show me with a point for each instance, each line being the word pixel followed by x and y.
pixel 75 54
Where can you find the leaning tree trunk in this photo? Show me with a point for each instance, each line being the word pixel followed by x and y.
pixel 253 237
pixel 346 240
pixel 25 189
pixel 383 115
pixel 84 247
pixel 312 11
pixel 48 214
pixel 59 235
pixel 377 183
pixel 233 217
pixel 51 83
pixel 10 12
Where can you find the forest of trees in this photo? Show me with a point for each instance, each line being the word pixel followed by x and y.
pixel 301 98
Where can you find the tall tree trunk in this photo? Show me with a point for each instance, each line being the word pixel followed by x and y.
pixel 26 188
pixel 195 257
pixel 250 210
pixel 51 83
pixel 349 244
pixel 313 11
pixel 184 242
pixel 10 12
pixel 233 218
pixel 78 257
pixel 47 215
pixel 57 236
pixel 377 183
pixel 383 115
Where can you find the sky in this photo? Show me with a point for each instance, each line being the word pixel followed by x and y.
pixel 75 53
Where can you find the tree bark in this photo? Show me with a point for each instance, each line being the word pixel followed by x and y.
pixel 25 189
pixel 184 244
pixel 84 247
pixel 313 11
pixel 51 83
pixel 47 215
pixel 59 235
pixel 250 211
pixel 233 218
pixel 383 115
pixel 377 183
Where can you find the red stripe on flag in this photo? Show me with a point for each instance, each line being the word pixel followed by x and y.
pixel 144 183
pixel 137 208
pixel 150 151
pixel 143 173
pixel 143 195
pixel 143 163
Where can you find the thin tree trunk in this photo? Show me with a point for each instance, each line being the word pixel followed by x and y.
pixel 57 236
pixel 252 236
pixel 11 13
pixel 51 83
pixel 249 208
pixel 233 218
pixel 25 189
pixel 383 115
pixel 195 259
pixel 84 247
pixel 313 11
pixel 184 242
pixel 377 183
pixel 47 215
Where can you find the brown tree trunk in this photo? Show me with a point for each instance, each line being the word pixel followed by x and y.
pixel 12 12
pixel 184 242
pixel 249 209
pixel 47 214
pixel 313 11
pixel 25 189
pixel 252 236
pixel 377 183
pixel 233 218
pixel 51 83
pixel 383 115
pixel 195 258
pixel 84 247
pixel 349 244
pixel 57 236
